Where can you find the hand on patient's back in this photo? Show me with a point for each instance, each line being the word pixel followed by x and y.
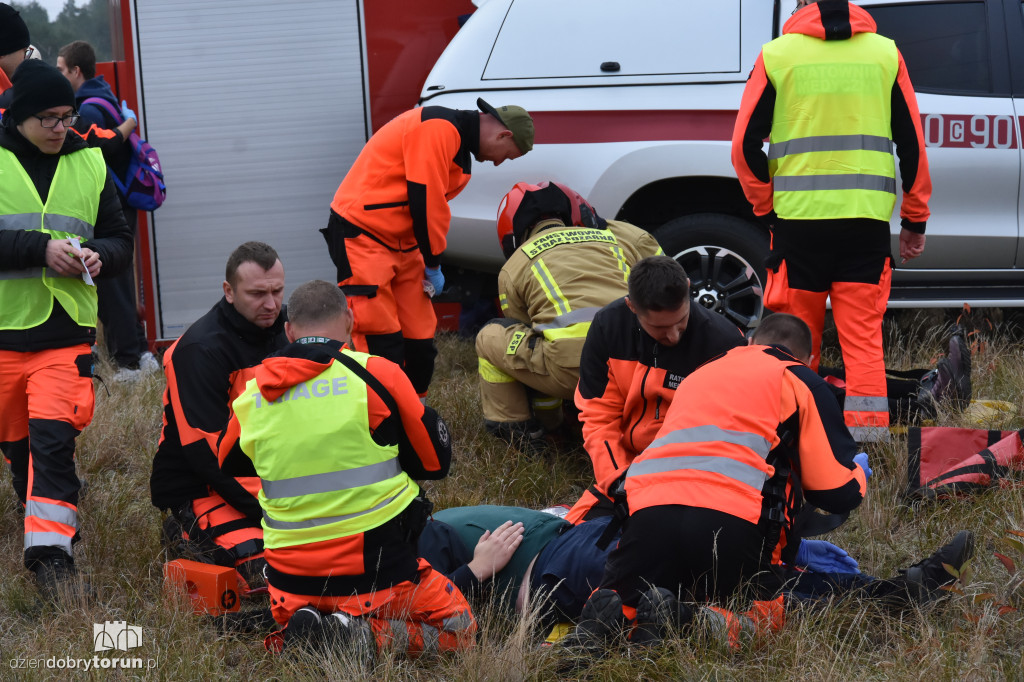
pixel 494 550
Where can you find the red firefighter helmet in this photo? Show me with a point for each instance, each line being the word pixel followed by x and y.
pixel 526 205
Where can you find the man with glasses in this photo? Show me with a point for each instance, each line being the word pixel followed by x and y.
pixel 14 48
pixel 60 226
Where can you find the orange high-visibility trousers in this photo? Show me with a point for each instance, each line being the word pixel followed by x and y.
pixel 46 399
pixel 804 273
pixel 764 617
pixel 219 526
pixel 393 315
pixel 428 616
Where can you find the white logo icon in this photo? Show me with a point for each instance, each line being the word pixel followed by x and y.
pixel 116 635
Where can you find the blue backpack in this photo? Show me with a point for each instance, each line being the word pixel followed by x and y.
pixel 143 183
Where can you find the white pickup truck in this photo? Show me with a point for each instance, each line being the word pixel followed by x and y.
pixel 634 104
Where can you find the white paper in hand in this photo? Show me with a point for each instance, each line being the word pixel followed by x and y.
pixel 86 277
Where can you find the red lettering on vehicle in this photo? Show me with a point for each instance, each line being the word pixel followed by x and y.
pixel 965 131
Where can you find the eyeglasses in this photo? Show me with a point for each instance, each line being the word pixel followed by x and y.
pixel 52 121
pixel 29 51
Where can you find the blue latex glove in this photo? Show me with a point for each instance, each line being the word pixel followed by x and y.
pixel 824 557
pixel 435 279
pixel 126 112
pixel 861 460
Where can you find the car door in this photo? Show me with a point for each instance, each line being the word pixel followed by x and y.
pixel 956 54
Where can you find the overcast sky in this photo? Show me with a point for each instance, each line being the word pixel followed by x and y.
pixel 52 7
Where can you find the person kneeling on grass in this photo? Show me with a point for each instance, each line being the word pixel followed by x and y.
pixel 746 440
pixel 337 437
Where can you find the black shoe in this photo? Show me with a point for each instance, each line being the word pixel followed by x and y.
pixel 171 536
pixel 600 620
pixel 527 436
pixel 927 408
pixel 926 578
pixel 253 572
pixel 657 615
pixel 352 634
pixel 305 627
pixel 959 358
pixel 308 628
pixel 56 577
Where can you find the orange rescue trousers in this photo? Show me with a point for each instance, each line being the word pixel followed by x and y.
pixel 428 616
pixel 224 535
pixel 393 315
pixel 848 263
pixel 46 399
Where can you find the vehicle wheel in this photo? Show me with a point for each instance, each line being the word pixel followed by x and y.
pixel 724 258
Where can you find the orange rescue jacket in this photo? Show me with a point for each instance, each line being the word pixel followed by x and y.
pixel 399 187
pixel 724 433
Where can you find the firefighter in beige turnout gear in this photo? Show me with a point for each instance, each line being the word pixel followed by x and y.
pixel 564 264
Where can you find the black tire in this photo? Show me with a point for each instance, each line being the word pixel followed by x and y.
pixel 724 258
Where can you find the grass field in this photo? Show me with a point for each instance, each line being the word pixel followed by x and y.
pixel 972 635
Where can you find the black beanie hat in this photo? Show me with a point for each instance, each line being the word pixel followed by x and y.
pixel 13 31
pixel 37 86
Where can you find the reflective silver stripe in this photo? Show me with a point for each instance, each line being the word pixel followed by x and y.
pixel 313 523
pixel 540 271
pixel 399 635
pixel 51 221
pixel 34 539
pixel 708 434
pixel 811 183
pixel 27 273
pixel 21 221
pixel 569 319
pixel 430 637
pixel 738 471
pixel 460 621
pixel 830 143
pixel 870 434
pixel 33 273
pixel 66 223
pixel 545 403
pixel 864 403
pixel 331 481
pixel 51 512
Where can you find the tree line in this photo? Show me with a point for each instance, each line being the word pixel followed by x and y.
pixel 90 21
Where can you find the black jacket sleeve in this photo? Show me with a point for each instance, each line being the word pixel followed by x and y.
pixel 22 249
pixel 113 238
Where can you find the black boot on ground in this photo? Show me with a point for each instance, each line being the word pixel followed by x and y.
pixel 926 578
pixel 600 622
pixel 57 578
pixel 959 358
pixel 658 615
pixel 338 632
pixel 527 437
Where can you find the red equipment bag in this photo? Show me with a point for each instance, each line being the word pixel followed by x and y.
pixel 946 461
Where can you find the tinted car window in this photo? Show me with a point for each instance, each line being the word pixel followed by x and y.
pixel 944 45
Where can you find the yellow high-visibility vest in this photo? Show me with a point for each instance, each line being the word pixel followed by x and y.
pixel 323 476
pixel 71 207
pixel 831 149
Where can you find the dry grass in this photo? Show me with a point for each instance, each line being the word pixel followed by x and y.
pixel 966 638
